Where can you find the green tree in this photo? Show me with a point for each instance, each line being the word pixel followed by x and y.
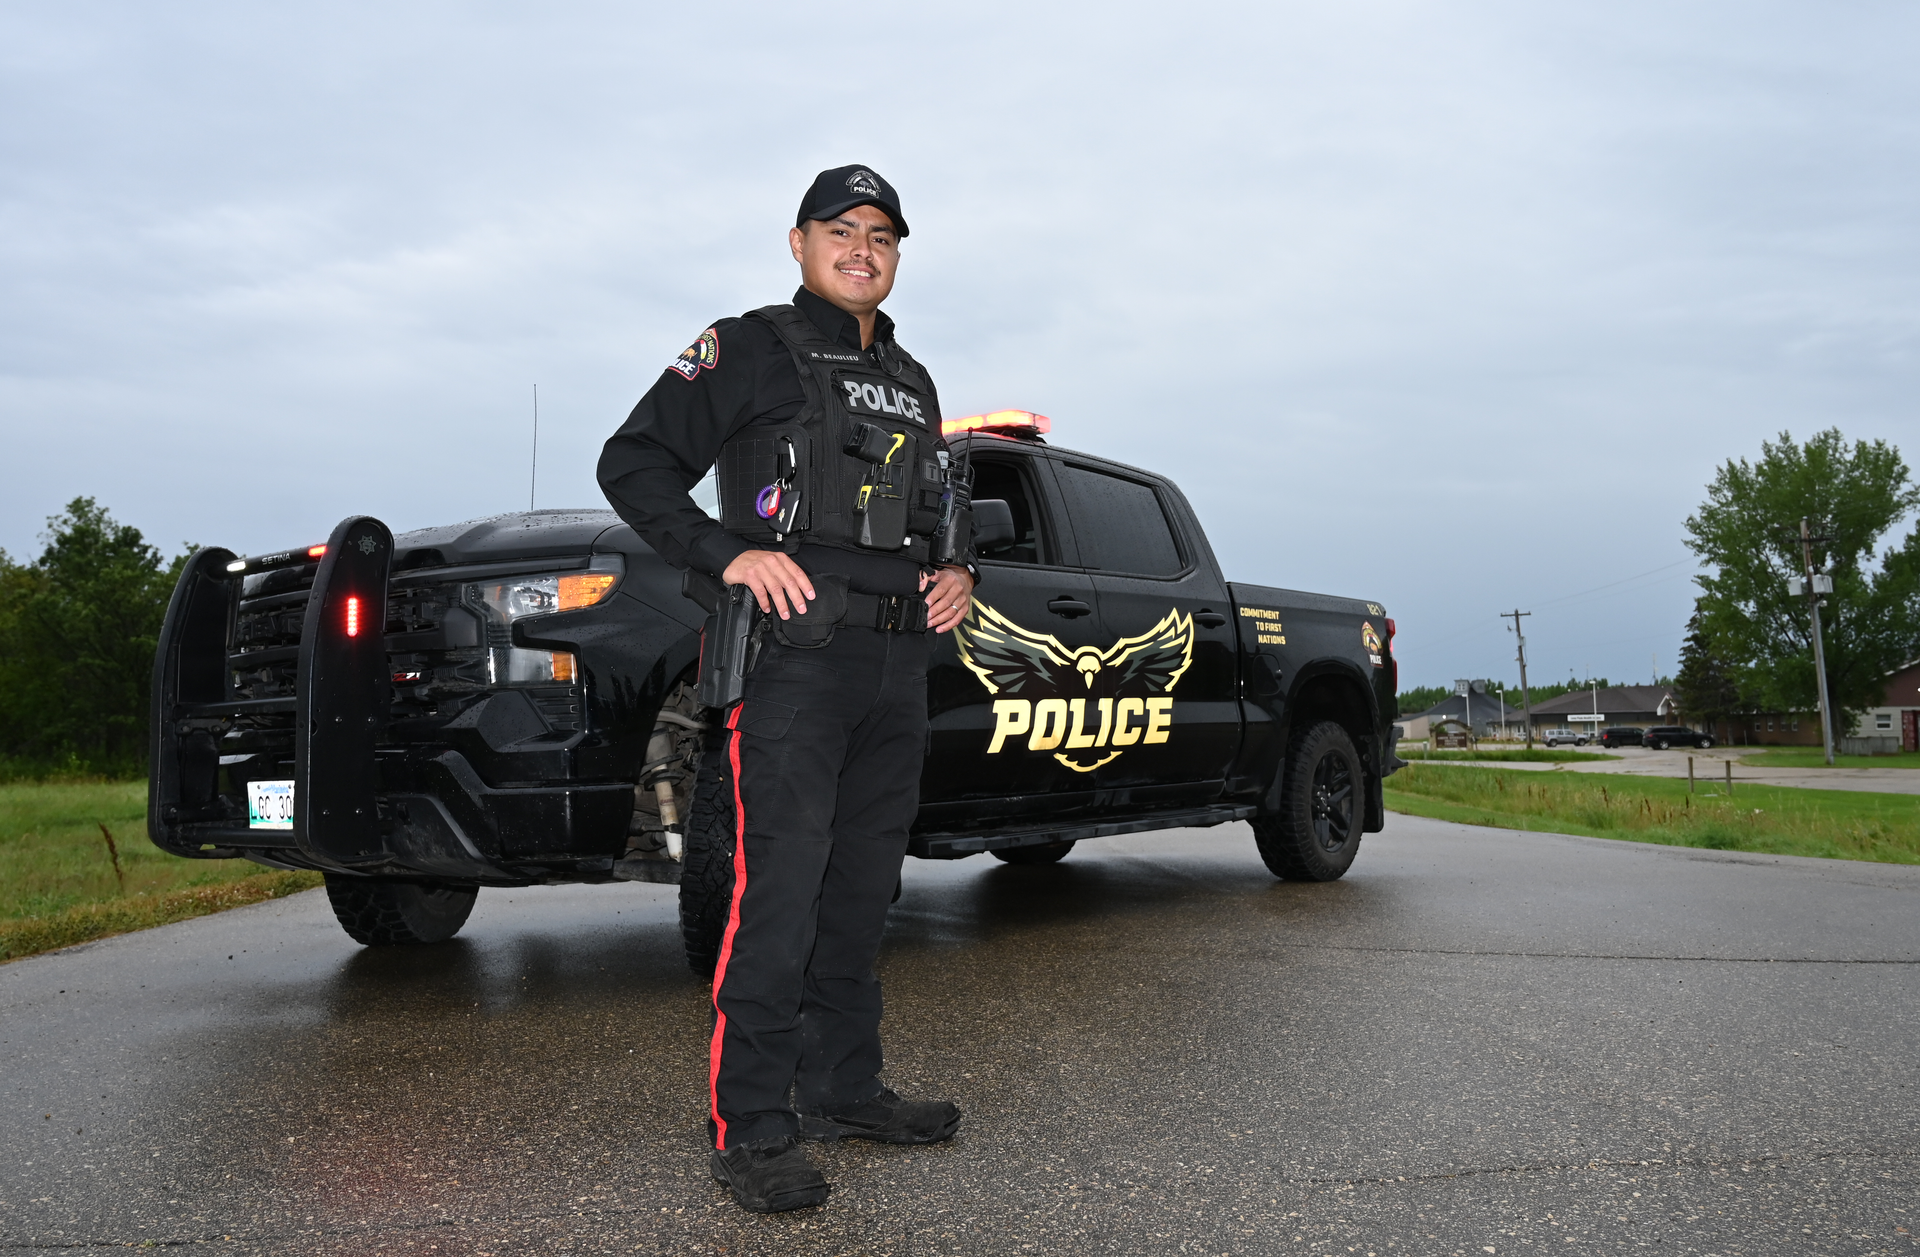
pixel 78 629
pixel 1748 530
pixel 1421 697
pixel 1706 687
pixel 1554 689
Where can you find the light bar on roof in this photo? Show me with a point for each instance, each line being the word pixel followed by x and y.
pixel 1000 422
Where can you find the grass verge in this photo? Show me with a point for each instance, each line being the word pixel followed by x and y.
pixel 1536 755
pixel 1776 820
pixel 62 883
pixel 82 923
pixel 1814 757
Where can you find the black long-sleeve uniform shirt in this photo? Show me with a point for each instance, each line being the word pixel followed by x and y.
pixel 738 373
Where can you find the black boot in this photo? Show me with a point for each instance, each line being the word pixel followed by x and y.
pixel 769 1176
pixel 886 1119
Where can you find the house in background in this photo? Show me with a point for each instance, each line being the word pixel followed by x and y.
pixel 1769 728
pixel 1641 705
pixel 1891 726
pixel 1490 715
pixel 1894 725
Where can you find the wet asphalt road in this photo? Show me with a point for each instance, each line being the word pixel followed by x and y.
pixel 1480 1041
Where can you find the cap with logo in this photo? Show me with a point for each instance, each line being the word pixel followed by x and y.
pixel 836 191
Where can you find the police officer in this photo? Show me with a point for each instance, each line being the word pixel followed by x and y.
pixel 831 472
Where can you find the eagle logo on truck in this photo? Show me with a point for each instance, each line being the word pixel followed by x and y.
pixel 1090 703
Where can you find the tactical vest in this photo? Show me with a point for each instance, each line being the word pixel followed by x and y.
pixel 860 467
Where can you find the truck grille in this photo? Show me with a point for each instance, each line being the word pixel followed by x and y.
pixel 440 657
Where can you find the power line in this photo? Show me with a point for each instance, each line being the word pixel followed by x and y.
pixel 1611 584
pixel 1469 631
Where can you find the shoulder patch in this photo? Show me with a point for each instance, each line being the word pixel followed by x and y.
pixel 702 354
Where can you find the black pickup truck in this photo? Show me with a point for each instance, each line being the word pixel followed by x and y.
pixel 510 702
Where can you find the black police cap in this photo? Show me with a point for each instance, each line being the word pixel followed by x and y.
pixel 836 191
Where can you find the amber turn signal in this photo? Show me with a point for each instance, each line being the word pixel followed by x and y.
pixel 585 590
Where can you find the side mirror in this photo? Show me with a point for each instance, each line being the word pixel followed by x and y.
pixel 992 525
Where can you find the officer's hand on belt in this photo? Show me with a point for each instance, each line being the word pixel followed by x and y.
pixel 776 581
pixel 950 597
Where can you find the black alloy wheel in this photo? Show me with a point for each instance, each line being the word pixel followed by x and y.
pixel 1316 834
pixel 1333 802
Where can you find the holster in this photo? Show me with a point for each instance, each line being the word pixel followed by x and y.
pixel 730 641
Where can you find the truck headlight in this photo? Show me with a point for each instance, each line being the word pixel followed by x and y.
pixel 503 601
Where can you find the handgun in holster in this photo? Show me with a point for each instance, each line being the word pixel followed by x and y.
pixel 730 639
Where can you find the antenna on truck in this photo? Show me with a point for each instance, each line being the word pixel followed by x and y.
pixel 533 477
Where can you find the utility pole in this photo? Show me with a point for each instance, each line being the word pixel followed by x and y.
pixel 1526 701
pixel 1819 654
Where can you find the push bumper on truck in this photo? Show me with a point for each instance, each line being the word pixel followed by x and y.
pixel 277 733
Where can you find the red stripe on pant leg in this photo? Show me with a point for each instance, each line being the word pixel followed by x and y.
pixel 733 925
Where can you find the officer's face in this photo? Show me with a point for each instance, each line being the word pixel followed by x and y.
pixel 850 259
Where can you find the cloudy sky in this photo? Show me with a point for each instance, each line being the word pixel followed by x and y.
pixel 1454 307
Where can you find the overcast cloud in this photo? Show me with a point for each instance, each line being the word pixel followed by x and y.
pixel 1454 307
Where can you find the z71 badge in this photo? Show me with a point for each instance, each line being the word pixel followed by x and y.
pixel 1086 698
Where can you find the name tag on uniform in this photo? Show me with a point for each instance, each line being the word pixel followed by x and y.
pixel 882 399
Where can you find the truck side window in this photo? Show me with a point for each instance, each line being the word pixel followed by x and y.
pixel 1119 523
pixel 993 478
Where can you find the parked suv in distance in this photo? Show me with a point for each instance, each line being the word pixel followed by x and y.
pixel 1625 735
pixel 1565 737
pixel 1675 735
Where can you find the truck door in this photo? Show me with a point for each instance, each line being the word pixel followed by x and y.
pixel 1167 661
pixel 994 687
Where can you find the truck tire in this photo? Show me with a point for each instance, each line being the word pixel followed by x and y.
pixel 1045 853
pixel 1317 832
pixel 706 862
pixel 390 914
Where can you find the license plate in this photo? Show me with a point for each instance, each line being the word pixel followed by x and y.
pixel 269 805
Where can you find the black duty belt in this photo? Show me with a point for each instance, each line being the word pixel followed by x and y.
pixel 890 613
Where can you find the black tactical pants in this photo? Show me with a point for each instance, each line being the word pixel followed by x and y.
pixel 825 753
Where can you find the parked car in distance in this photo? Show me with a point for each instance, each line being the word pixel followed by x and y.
pixel 1625 735
pixel 1675 735
pixel 1565 737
